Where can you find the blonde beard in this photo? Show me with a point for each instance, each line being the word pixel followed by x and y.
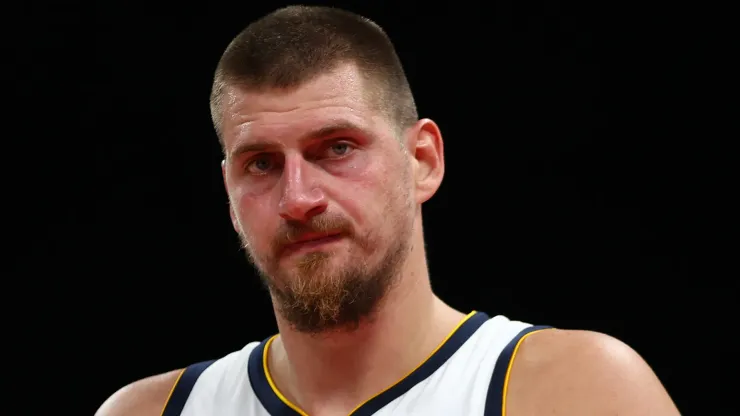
pixel 321 298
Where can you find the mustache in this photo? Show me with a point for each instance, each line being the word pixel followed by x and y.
pixel 290 231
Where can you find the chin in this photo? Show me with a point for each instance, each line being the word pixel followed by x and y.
pixel 320 264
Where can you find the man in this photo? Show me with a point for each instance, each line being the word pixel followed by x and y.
pixel 327 164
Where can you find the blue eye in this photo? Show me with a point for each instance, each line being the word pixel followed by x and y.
pixel 260 165
pixel 340 149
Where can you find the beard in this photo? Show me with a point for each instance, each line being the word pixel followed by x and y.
pixel 319 294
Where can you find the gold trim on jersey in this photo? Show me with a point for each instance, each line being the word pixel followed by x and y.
pixel 272 383
pixel 302 413
pixel 172 390
pixel 511 364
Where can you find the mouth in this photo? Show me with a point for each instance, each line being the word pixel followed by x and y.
pixel 308 242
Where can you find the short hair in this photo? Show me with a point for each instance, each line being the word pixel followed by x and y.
pixel 295 44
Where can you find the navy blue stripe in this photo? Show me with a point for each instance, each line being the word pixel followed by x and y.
pixel 183 388
pixel 261 387
pixel 495 397
pixel 276 407
pixel 466 330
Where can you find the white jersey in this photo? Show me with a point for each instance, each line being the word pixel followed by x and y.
pixel 466 376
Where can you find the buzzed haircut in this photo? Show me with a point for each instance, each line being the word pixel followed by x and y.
pixel 295 44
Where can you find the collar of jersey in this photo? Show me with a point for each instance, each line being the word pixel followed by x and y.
pixel 277 405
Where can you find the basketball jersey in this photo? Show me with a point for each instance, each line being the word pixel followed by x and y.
pixel 466 375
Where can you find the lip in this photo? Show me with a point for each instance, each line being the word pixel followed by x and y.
pixel 312 241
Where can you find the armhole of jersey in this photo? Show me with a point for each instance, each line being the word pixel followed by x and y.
pixel 496 399
pixel 182 388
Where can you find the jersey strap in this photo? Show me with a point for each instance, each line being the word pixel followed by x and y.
pixel 182 388
pixel 496 399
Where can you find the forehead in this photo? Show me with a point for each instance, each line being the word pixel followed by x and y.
pixel 333 101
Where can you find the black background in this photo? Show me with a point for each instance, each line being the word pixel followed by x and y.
pixel 580 159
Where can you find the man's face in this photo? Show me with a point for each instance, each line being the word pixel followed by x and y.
pixel 320 189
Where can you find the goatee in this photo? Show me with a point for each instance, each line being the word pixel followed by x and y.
pixel 323 296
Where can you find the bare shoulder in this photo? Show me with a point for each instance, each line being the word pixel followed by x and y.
pixel 145 397
pixel 583 373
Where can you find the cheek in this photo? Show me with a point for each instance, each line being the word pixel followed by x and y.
pixel 255 216
pixel 355 168
pixel 365 190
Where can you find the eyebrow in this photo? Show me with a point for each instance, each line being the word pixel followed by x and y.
pixel 262 144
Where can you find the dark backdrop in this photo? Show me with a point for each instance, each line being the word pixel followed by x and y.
pixel 575 139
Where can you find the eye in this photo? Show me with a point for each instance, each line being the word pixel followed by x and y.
pixel 339 149
pixel 260 164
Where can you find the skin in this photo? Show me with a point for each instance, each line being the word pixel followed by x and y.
pixel 323 152
pixel 331 372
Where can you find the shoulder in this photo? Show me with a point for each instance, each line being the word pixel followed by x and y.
pixel 583 372
pixel 145 397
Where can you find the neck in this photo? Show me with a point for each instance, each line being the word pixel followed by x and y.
pixel 337 371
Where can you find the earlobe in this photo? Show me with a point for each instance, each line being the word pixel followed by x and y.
pixel 428 152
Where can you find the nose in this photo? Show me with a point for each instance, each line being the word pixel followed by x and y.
pixel 301 197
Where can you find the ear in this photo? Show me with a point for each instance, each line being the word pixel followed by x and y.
pixel 234 221
pixel 425 147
